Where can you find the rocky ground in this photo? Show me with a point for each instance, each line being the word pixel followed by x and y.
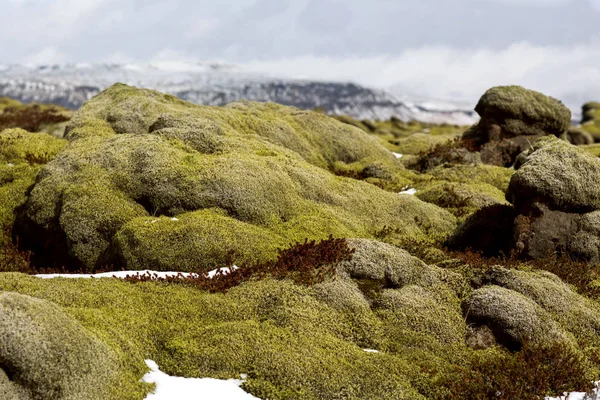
pixel 463 259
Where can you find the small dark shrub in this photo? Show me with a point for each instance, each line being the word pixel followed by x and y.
pixel 531 373
pixel 29 118
pixel 457 151
pixel 305 263
pixel 11 258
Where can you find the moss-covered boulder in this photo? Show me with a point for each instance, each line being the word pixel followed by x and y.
pixel 48 355
pixel 513 318
pixel 21 156
pixel 139 159
pixel 512 118
pixel 556 198
pixel 556 173
pixel 575 313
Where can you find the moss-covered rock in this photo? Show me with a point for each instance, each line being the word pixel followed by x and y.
pixel 21 156
pixel 461 199
pixel 556 173
pixel 575 313
pixel 48 355
pixel 511 111
pixel 512 118
pixel 513 318
pixel 264 169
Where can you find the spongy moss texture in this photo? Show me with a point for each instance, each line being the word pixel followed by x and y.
pixel 264 169
pixel 47 355
pixel 559 174
pixel 21 156
pixel 518 111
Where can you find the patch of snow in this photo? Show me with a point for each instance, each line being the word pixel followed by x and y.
pixel 411 191
pixel 370 351
pixel 223 270
pixel 594 395
pixel 174 219
pixel 172 387
pixel 10 165
pixel 117 274
pixel 398 155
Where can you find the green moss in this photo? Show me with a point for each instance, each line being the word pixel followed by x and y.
pixel 421 142
pixel 514 318
pixel 47 354
pixel 268 166
pixel 461 199
pixel 593 149
pixel 518 111
pixel 201 240
pixel 21 154
pixel 575 314
pixel 562 175
pixel 498 177
pixel 289 342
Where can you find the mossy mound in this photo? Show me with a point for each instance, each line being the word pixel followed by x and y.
pixel 515 111
pixel 513 318
pixel 575 314
pixel 265 169
pixel 499 177
pixel 291 343
pixel 21 156
pixel 461 199
pixel 421 142
pixel 558 174
pixel 48 355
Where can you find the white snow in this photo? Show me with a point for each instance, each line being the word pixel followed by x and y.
pixel 10 165
pixel 223 270
pixel 116 274
pixel 370 351
pixel 174 219
pixel 397 155
pixel 172 387
pixel 123 274
pixel 411 191
pixel 578 395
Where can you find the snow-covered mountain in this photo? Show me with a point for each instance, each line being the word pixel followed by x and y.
pixel 215 84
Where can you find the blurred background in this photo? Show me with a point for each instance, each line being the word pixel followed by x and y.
pixel 428 60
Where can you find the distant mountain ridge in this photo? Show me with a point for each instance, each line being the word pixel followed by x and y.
pixel 215 84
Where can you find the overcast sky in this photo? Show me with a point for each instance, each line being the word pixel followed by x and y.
pixel 430 48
